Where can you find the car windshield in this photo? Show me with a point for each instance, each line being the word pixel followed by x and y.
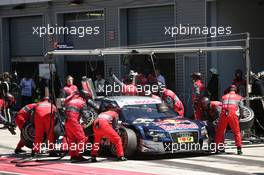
pixel 146 111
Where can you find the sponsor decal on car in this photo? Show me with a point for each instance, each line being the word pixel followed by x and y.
pixel 185 139
pixel 145 101
pixel 176 124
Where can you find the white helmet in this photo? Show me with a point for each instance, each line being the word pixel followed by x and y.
pixel 214 71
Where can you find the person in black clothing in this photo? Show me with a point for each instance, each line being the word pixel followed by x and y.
pixel 213 85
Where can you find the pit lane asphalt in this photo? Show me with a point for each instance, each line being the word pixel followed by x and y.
pixel 251 162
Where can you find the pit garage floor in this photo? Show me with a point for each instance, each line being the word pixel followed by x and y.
pixel 251 162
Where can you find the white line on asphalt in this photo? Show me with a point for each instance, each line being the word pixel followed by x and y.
pixel 9 172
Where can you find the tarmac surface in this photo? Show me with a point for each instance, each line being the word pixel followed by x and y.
pixel 251 162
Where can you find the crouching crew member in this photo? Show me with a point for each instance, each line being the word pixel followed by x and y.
pixel 212 110
pixel 229 116
pixel 21 118
pixel 77 109
pixel 105 126
pixel 172 101
pixel 44 124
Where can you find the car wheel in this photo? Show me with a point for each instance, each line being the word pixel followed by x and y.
pixel 89 120
pixel 246 119
pixel 129 142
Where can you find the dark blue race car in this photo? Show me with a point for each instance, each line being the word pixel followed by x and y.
pixel 148 128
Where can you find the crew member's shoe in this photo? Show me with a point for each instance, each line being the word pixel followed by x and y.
pixel 220 151
pixel 33 153
pixel 122 158
pixel 19 151
pixel 54 154
pixel 93 159
pixel 239 151
pixel 76 159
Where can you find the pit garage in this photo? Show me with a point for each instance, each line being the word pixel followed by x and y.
pixel 25 49
pixel 221 13
pixel 138 27
pixel 85 65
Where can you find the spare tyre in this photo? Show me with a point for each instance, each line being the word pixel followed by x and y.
pixel 129 142
pixel 246 118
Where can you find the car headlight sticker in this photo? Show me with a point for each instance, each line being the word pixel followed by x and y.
pixel 203 131
pixel 156 134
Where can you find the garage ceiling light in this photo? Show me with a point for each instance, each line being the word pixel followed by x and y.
pixel 19 6
pixel 95 14
pixel 76 2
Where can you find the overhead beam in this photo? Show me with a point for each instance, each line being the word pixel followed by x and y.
pixel 117 51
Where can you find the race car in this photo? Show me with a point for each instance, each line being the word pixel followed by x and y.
pixel 148 126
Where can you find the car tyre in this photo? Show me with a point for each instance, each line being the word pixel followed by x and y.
pixel 129 142
pixel 246 119
pixel 28 134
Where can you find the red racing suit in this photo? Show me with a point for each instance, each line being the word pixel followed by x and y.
pixel 74 131
pixel 103 128
pixel 172 99
pixel 198 92
pixel 44 123
pixel 229 117
pixel 212 115
pixel 142 81
pixel 70 89
pixel 129 90
pixel 2 107
pixel 2 104
pixel 22 116
pixel 126 89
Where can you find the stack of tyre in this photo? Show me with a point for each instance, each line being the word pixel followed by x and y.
pixel 258 105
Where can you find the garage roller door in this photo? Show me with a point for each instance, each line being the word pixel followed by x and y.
pixel 146 25
pixel 23 42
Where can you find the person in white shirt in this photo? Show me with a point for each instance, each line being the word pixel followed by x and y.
pixel 99 84
pixel 27 85
pixel 160 77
